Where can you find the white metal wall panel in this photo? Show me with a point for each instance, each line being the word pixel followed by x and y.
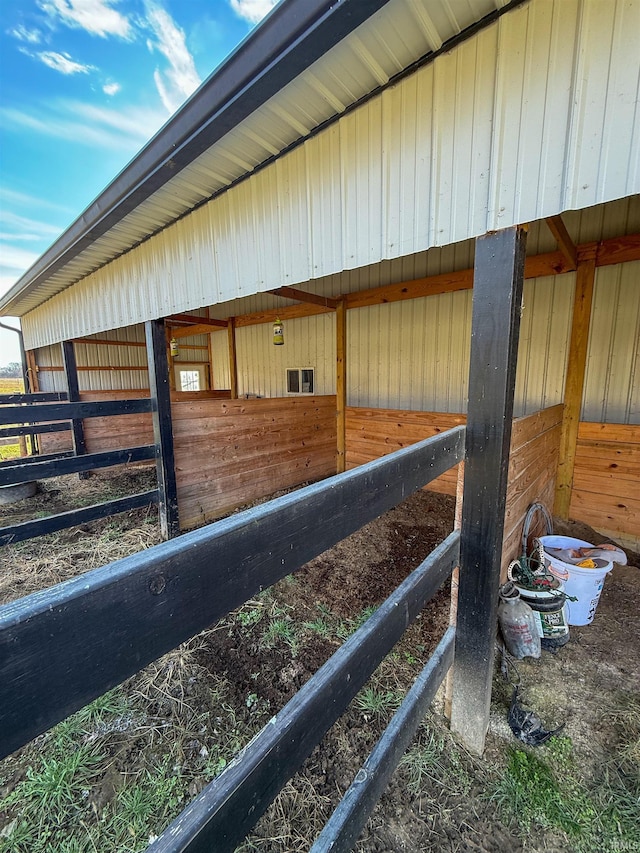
pixel 612 383
pixel 533 116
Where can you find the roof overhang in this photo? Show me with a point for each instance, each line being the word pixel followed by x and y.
pixel 305 65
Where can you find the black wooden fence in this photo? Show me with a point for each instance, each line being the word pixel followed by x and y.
pixel 129 613
pixel 34 414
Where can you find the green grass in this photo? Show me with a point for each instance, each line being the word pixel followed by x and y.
pixel 543 789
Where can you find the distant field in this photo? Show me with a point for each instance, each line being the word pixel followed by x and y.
pixel 9 447
pixel 11 386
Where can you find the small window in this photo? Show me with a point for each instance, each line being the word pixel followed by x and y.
pixel 189 380
pixel 300 380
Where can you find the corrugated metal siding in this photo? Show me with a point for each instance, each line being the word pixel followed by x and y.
pixel 612 383
pixel 533 116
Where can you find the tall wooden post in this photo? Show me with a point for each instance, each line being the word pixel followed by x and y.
pixel 233 358
pixel 497 298
pixel 341 385
pixel 162 427
pixel 574 382
pixel 73 390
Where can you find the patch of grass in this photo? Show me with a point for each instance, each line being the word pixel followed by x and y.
pixel 423 762
pixel 282 630
pixel 375 703
pixel 9 451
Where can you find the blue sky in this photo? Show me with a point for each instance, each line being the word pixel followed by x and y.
pixel 83 85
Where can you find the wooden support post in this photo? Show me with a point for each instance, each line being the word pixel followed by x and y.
pixel 233 359
pixel 73 389
pixel 171 373
pixel 341 385
pixel 574 383
pixel 497 299
pixel 162 427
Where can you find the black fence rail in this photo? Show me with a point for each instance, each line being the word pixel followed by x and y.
pixel 52 412
pixel 133 611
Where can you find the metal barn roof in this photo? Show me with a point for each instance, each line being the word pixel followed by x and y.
pixel 309 62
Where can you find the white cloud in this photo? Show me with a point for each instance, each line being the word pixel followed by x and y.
pixel 252 10
pixel 181 78
pixel 85 124
pixel 97 17
pixel 111 88
pixel 16 260
pixel 23 34
pixel 24 229
pixel 29 201
pixel 63 63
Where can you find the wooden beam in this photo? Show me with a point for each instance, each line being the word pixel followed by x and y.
pixel 615 251
pixel 109 342
pixel 291 312
pixel 194 320
pixel 565 243
pixel 341 385
pixel 178 332
pixel 233 358
pixel 304 296
pixel 32 372
pixel 162 427
pixel 574 383
pixel 497 300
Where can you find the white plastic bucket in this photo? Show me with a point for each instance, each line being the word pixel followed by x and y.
pixel 583 584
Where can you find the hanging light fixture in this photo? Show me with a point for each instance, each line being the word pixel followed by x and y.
pixel 278 335
pixel 173 348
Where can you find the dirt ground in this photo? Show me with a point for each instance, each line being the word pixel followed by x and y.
pixel 239 673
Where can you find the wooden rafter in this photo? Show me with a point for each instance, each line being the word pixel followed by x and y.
pixel 191 331
pixel 194 320
pixel 563 239
pixel 303 296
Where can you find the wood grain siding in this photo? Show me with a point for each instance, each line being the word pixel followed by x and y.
pixel 231 452
pixel 372 433
pixel 110 433
pixel 535 443
pixel 606 482
pixel 533 464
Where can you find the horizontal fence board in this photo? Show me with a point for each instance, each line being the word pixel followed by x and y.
pixel 346 823
pixel 21 461
pixel 39 469
pixel 34 430
pixel 68 411
pixel 132 611
pixel 220 817
pixel 63 520
pixel 39 397
pixel 528 427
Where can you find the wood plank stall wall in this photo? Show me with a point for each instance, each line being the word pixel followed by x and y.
pixel 535 443
pixel 372 433
pixel 533 465
pixel 231 452
pixel 606 478
pixel 106 433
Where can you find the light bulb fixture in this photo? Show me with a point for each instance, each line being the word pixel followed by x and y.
pixel 278 334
